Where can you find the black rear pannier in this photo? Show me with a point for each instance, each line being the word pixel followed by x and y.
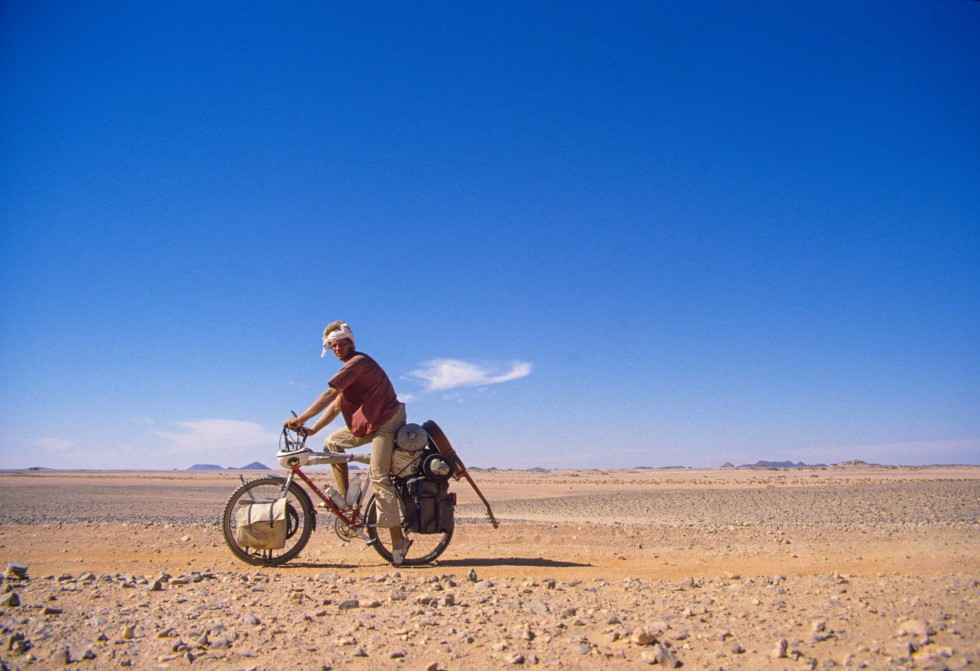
pixel 429 506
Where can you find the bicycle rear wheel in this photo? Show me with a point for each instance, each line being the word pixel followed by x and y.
pixel 425 549
pixel 300 519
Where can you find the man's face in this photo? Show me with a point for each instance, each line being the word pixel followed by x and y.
pixel 342 349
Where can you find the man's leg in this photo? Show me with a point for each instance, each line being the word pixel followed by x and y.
pixel 382 443
pixel 342 440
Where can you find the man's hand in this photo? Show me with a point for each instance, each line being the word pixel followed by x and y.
pixel 293 423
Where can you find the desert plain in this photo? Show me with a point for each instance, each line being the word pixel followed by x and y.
pixel 850 566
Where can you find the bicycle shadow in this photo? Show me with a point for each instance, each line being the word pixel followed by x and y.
pixel 529 562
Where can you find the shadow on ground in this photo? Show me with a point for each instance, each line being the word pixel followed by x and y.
pixel 536 562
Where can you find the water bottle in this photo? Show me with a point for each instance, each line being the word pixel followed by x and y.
pixel 335 496
pixel 354 490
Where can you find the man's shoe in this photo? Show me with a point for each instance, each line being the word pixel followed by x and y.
pixel 398 556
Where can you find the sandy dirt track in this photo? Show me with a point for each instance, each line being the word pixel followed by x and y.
pixel 856 567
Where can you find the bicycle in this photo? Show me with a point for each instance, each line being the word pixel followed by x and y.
pixel 352 520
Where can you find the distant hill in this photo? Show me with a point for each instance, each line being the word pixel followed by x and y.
pixel 781 464
pixel 254 466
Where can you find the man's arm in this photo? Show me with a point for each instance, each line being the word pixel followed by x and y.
pixel 327 417
pixel 325 399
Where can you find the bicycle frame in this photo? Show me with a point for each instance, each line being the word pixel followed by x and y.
pixel 328 502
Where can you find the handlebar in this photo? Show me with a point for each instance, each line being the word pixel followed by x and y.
pixel 293 439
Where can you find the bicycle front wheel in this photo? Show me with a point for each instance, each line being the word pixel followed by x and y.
pixel 425 549
pixel 300 519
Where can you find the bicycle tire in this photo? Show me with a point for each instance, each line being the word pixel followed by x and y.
pixel 426 548
pixel 300 515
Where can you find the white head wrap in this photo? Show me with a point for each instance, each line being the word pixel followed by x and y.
pixel 340 333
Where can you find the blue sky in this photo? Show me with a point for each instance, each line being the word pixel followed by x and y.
pixel 593 235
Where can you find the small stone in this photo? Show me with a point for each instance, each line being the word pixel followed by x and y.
pixel 10 600
pixel 221 643
pixel 779 650
pixel 514 658
pixel 251 618
pixel 535 606
pixel 643 636
pixel 918 628
pixel 129 632
pixel 61 656
pixel 660 655
pixel 348 604
pixel 15 571
pixel 15 643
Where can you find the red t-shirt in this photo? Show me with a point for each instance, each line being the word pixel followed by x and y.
pixel 368 399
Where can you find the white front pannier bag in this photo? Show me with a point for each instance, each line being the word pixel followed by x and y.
pixel 262 524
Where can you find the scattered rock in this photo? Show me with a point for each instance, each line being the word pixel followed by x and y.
pixel 917 628
pixel 661 655
pixel 643 636
pixel 779 649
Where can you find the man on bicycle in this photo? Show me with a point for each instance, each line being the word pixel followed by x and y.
pixel 363 394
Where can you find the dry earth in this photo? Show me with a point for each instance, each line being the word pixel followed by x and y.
pixel 850 567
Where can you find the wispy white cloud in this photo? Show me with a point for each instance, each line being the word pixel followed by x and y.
pixel 443 374
pixel 217 435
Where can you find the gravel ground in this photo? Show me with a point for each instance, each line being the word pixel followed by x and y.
pixel 706 569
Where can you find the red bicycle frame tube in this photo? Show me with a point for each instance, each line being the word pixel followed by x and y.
pixel 326 499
